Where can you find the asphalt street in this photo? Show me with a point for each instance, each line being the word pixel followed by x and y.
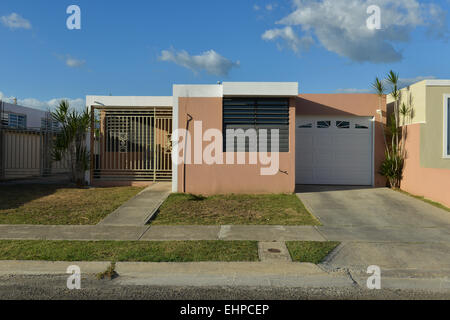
pixel 53 287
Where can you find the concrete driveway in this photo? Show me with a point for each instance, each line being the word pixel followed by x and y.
pixel 381 227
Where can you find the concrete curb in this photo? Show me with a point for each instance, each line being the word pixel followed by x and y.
pixel 208 274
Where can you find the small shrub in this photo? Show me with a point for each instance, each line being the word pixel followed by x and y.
pixel 110 272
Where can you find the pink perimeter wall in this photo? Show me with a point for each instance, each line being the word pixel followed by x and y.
pixel 433 184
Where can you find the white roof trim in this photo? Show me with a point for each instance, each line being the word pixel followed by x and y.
pixel 129 101
pixel 284 89
pixel 435 82
pixel 197 90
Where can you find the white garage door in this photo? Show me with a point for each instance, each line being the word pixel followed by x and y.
pixel 334 150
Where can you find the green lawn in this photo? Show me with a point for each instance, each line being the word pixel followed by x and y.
pixel 60 205
pixel 272 209
pixel 310 251
pixel 166 251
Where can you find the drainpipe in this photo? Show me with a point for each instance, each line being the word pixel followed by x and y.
pixel 185 151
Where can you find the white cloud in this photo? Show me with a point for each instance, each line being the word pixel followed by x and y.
pixel 15 21
pixel 209 61
pixel 289 36
pixel 78 103
pixel 269 7
pixel 404 82
pixel 70 61
pixel 340 26
pixel 74 63
pixel 256 7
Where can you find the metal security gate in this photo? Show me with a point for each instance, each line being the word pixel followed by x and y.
pixel 132 145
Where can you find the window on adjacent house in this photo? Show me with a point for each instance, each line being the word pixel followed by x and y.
pixel 243 114
pixel 5 119
pixel 49 124
pixel 17 121
pixel 448 127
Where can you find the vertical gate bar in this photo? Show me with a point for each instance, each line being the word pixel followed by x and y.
pixel 120 144
pixel 143 144
pixel 154 145
pixel 122 155
pixel 125 130
pixel 166 124
pixel 126 142
pixel 145 164
pixel 161 137
pixel 128 145
pixel 167 144
pixel 141 126
pixel 164 145
pixel 101 150
pixel 92 146
pixel 149 150
pixel 161 156
pixel 108 146
pixel 158 136
pixel 163 151
pixel 142 140
pixel 133 126
pixel 111 143
pixel 149 142
pixel 158 150
pixel 132 144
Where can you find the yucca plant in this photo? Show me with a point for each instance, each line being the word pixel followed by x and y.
pixel 392 167
pixel 71 140
pixel 395 153
pixel 379 88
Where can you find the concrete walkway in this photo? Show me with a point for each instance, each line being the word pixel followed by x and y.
pixel 138 210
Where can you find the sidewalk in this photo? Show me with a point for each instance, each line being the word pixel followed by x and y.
pixel 224 232
pixel 159 233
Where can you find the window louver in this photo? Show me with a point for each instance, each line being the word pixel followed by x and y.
pixel 249 113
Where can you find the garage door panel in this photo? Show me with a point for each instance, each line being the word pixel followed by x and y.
pixel 334 155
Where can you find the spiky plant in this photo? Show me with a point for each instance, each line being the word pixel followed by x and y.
pixel 71 139
pixel 392 166
pixel 379 88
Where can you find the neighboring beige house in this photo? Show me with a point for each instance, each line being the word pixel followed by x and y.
pixel 427 166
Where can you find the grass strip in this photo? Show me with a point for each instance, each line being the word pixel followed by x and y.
pixel 310 251
pixel 266 209
pixel 145 251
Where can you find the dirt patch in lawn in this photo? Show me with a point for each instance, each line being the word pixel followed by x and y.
pixel 60 205
pixel 272 209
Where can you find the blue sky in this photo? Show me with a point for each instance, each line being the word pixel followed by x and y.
pixel 142 47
